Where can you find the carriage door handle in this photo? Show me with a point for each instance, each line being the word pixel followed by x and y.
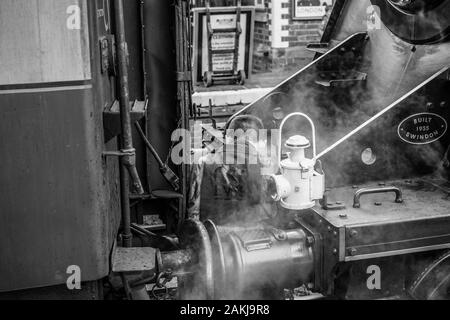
pixel 361 192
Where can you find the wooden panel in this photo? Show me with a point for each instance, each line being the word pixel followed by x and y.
pixel 39 44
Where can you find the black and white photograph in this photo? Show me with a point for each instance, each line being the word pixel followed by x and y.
pixel 225 156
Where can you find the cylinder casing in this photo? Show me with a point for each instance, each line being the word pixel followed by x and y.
pixel 259 258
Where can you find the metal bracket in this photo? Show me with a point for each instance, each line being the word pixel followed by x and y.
pixel 255 240
pixel 108 55
pixel 333 80
pixel 329 206
pixel 319 47
pixel 111 117
pixel 184 76
pixel 133 259
pixel 121 153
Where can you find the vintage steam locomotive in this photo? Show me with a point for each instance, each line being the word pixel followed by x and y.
pixel 352 202
pixel 365 193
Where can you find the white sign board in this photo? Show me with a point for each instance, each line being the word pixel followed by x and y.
pixel 309 9
pixel 222 62
pixel 224 41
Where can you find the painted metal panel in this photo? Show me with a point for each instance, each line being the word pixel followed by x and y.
pixel 59 203
pixel 52 203
pixel 43 41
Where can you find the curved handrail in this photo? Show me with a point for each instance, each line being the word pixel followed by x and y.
pixel 313 128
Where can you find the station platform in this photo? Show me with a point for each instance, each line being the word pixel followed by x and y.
pixel 233 97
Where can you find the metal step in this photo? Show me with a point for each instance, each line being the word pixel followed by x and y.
pixel 133 259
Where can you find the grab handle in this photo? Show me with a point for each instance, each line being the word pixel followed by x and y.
pixel 361 192
pixel 313 129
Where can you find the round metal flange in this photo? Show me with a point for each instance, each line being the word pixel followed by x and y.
pixel 416 21
pixel 433 283
pixel 194 236
pixel 218 258
pixel 235 275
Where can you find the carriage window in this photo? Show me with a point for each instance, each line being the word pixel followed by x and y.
pixel 43 41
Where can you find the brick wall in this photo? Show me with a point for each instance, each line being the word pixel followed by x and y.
pixel 280 41
pixel 303 32
pixel 281 45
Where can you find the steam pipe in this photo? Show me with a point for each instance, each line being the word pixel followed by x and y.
pixel 127 162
